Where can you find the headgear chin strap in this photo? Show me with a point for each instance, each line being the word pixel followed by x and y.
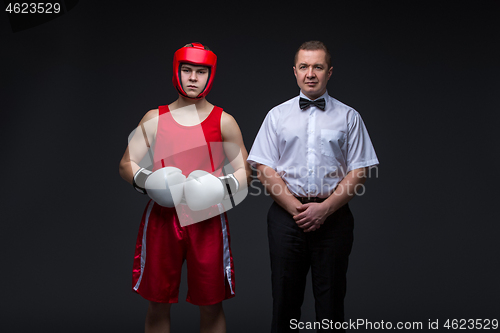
pixel 198 56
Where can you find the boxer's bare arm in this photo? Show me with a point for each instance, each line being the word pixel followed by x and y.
pixel 235 150
pixel 138 146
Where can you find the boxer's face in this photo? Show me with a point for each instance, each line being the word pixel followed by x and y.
pixel 193 79
pixel 312 72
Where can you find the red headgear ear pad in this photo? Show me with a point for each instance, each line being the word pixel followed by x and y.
pixel 197 56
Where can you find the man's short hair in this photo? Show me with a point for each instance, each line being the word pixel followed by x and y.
pixel 312 46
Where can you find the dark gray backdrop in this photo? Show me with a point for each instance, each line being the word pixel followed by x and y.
pixel 424 78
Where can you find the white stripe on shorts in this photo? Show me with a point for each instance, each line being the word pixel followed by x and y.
pixel 143 245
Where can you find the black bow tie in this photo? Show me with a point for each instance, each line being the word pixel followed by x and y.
pixel 305 103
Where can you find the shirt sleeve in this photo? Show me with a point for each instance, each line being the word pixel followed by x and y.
pixel 265 147
pixel 360 151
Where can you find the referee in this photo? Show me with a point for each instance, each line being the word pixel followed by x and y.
pixel 312 154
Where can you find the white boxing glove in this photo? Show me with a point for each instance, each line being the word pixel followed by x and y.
pixel 166 186
pixel 203 190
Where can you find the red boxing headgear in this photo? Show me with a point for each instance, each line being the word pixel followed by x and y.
pixel 198 56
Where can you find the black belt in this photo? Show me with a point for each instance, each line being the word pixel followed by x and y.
pixel 305 200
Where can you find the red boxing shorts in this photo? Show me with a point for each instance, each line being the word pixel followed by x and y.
pixel 163 245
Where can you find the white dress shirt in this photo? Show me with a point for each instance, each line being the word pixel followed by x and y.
pixel 313 150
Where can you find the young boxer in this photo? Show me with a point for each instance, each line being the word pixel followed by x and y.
pixel 185 220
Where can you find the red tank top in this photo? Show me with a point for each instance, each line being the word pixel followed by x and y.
pixel 189 148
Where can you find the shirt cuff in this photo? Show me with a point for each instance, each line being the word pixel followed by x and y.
pixel 370 163
pixel 253 160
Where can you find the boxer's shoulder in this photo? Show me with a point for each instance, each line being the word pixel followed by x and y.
pixel 151 115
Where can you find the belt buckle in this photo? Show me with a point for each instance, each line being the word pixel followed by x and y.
pixel 315 199
pixel 310 199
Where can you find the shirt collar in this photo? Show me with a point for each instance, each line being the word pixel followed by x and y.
pixel 325 96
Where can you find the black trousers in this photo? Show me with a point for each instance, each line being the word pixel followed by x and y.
pixel 293 251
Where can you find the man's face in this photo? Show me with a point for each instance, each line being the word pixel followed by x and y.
pixel 312 72
pixel 193 79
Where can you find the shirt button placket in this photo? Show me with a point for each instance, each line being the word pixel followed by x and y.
pixel 310 148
